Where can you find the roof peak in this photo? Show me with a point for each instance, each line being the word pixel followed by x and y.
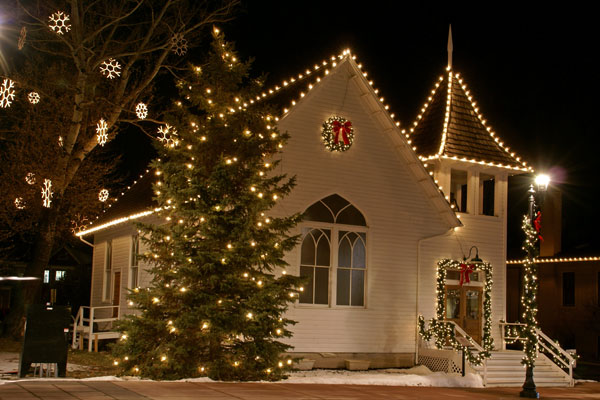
pixel 450 125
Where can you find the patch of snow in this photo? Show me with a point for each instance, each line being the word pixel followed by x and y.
pixel 389 377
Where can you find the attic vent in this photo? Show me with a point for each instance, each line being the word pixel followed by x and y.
pixel 336 210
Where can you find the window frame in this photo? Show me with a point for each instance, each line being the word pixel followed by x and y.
pixel 134 258
pixel 333 262
pixel 107 273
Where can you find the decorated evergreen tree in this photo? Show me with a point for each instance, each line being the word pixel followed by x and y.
pixel 219 291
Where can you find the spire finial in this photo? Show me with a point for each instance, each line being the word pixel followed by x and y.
pixel 450 48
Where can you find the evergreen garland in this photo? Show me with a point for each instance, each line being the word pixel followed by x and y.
pixel 443 331
pixel 216 303
pixel 529 295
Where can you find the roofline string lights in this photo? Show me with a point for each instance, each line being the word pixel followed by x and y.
pixel 556 260
pixel 440 154
pixel 332 62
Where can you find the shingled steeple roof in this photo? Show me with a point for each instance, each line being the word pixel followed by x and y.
pixel 450 125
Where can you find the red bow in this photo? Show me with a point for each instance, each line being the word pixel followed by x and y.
pixel 345 128
pixel 465 271
pixel 537 223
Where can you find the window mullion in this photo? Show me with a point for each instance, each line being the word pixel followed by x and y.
pixel 334 266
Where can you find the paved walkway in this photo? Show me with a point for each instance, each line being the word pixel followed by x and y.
pixel 129 390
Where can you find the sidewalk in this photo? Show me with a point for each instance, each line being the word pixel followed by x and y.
pixel 126 390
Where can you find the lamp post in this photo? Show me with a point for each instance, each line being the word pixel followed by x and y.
pixel 530 286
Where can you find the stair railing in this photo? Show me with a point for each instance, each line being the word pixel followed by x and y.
pixel 463 338
pixel 83 325
pixel 458 330
pixel 511 333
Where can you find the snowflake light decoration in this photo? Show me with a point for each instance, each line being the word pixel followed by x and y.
pixel 19 203
pixel 22 37
pixel 141 110
pixel 30 178
pixel 79 224
pixel 7 93
pixel 168 135
pixel 47 193
pixel 33 97
pixel 179 44
pixel 58 21
pixel 101 131
pixel 110 68
pixel 103 195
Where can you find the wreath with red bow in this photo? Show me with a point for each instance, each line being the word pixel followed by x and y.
pixel 338 134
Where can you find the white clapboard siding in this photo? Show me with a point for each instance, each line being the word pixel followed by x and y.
pixel 375 178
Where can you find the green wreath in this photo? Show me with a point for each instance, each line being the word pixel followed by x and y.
pixel 443 331
pixel 338 134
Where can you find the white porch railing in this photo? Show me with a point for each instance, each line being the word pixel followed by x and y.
pixel 83 327
pixel 511 333
pixel 465 339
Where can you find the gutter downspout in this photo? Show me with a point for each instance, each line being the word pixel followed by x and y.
pixel 448 232
pixel 85 241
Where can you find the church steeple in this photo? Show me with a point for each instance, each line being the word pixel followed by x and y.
pixel 450 47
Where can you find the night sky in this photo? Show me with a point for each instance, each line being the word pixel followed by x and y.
pixel 530 70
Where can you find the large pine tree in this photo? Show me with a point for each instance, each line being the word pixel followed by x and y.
pixel 216 302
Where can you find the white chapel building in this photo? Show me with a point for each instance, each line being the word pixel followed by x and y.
pixel 379 217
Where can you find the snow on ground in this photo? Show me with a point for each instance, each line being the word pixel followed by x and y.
pixel 416 376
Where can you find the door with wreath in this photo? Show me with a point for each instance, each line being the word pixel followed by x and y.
pixel 463 305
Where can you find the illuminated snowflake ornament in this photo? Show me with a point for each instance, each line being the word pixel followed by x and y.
pixel 141 111
pixel 19 203
pixel 110 68
pixel 30 178
pixel 103 195
pixel 58 21
pixel 7 93
pixel 79 224
pixel 168 136
pixel 33 97
pixel 47 193
pixel 22 38
pixel 179 44
pixel 102 132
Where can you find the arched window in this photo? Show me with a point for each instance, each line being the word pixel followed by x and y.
pixel 335 236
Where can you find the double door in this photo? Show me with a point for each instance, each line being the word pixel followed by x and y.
pixel 463 305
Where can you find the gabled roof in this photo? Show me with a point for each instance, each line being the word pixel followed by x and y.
pixel 450 125
pixel 137 202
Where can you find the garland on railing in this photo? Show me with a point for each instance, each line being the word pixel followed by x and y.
pixel 513 333
pixel 443 331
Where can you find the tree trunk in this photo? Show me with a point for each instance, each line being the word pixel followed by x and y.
pixel 31 290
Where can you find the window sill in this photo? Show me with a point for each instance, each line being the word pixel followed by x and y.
pixel 328 307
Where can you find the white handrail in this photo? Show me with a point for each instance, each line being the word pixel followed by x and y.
pixel 464 334
pixel 80 327
pixel 551 348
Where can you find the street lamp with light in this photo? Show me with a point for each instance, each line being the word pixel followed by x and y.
pixel 530 285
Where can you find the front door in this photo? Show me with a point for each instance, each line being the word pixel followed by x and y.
pixel 463 306
pixel 116 294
